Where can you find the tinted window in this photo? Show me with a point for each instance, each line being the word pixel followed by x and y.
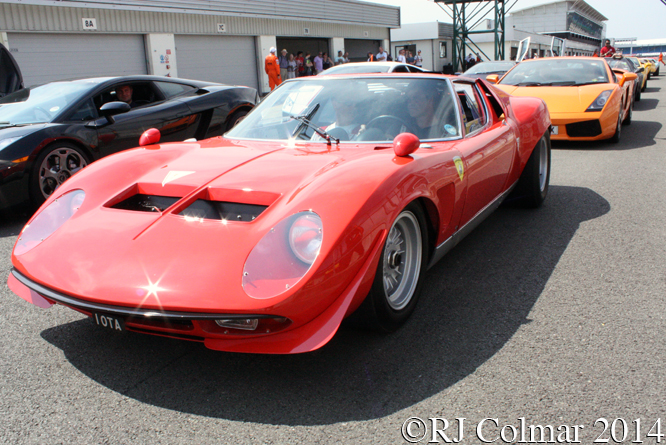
pixel 173 89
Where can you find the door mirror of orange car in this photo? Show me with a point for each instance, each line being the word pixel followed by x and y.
pixel 405 144
pixel 493 78
pixel 150 136
pixel 626 77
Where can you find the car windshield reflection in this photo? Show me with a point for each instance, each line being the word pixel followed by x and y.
pixel 557 72
pixel 363 109
pixel 39 104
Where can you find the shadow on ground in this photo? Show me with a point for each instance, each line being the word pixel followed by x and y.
pixel 12 220
pixel 646 104
pixel 474 301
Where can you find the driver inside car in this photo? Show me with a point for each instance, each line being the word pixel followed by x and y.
pixel 124 94
pixel 350 114
pixel 422 104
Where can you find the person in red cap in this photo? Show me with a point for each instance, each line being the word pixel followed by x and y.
pixel 272 69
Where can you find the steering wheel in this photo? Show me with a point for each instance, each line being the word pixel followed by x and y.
pixel 390 125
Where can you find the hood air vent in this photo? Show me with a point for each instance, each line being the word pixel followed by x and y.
pixel 230 211
pixel 146 203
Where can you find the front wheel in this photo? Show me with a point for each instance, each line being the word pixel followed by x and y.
pixel 627 119
pixel 54 165
pixel 235 118
pixel 532 187
pixel 399 275
pixel 618 130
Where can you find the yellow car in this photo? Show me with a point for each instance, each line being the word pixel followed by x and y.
pixel 587 101
pixel 650 67
pixel 646 70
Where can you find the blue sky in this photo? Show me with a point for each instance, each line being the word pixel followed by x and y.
pixel 643 19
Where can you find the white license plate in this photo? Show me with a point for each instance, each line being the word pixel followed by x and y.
pixel 556 129
pixel 109 322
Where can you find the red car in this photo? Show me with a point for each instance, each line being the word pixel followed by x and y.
pixel 333 196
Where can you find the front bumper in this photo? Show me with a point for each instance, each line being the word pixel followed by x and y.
pixel 586 126
pixel 201 327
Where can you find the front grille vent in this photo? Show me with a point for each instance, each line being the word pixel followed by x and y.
pixel 584 129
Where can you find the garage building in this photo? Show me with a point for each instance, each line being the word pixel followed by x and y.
pixel 223 41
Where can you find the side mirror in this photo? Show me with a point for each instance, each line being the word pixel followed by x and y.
pixel 405 144
pixel 627 77
pixel 110 109
pixel 640 70
pixel 149 137
pixel 493 78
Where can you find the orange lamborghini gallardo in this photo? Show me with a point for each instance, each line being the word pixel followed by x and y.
pixel 586 99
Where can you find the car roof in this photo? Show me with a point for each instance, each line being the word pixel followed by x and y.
pixel 136 78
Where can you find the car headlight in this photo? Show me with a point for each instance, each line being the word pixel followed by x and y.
pixel 283 256
pixel 8 141
pixel 600 101
pixel 50 219
pixel 305 236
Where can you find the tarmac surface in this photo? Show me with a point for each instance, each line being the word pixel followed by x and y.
pixel 555 316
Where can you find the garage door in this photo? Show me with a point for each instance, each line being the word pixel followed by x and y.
pixel 47 57
pixel 224 59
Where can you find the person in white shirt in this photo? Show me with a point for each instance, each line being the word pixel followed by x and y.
pixel 418 60
pixel 401 56
pixel 382 55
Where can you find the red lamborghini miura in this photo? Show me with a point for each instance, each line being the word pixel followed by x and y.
pixel 333 196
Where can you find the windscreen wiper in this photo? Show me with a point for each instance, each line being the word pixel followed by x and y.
pixel 305 121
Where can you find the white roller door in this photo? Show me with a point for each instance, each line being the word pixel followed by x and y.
pixel 47 57
pixel 225 59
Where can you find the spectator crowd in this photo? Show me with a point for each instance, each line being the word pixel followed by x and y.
pixel 288 66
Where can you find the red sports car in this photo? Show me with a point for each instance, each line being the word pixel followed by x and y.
pixel 333 196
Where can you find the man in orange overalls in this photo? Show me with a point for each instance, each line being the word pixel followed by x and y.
pixel 272 69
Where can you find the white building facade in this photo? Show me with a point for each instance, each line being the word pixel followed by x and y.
pixel 222 41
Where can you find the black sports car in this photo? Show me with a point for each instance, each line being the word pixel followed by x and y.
pixel 49 132
pixel 618 61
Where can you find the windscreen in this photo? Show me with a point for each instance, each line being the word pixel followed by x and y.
pixel 621 64
pixel 363 109
pixel 490 67
pixel 357 69
pixel 557 72
pixel 40 104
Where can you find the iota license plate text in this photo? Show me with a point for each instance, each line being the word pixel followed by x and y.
pixel 109 322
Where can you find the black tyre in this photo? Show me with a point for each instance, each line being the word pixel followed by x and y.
pixel 532 187
pixel 637 95
pixel 644 86
pixel 399 276
pixel 235 118
pixel 618 130
pixel 54 165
